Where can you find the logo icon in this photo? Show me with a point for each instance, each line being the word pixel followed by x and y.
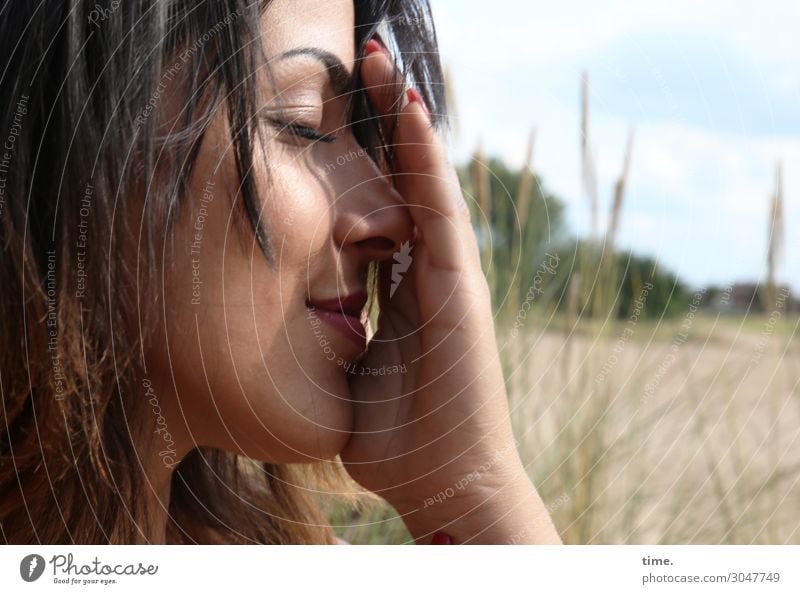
pixel 31 567
pixel 402 260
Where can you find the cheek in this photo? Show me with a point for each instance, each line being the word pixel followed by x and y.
pixel 276 402
pixel 298 213
pixel 246 362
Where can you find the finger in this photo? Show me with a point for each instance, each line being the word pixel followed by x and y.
pixel 424 175
pixel 383 82
pixel 428 181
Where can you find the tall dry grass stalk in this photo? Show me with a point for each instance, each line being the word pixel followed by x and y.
pixel 452 104
pixel 588 170
pixel 775 238
pixel 704 453
pixel 587 266
pixel 481 183
pixel 774 252
pixel 605 303
pixel 619 195
pixel 523 201
pixel 708 456
pixel 522 207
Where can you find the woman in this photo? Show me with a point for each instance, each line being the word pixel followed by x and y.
pixel 198 201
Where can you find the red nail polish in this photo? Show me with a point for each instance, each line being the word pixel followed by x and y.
pixel 375 44
pixel 372 47
pixel 414 95
pixel 442 538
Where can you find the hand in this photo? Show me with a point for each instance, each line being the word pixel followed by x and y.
pixel 435 439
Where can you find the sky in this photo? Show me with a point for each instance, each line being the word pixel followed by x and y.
pixel 712 89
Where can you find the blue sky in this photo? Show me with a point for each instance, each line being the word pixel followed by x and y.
pixel 712 88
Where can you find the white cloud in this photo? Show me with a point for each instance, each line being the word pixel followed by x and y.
pixel 698 195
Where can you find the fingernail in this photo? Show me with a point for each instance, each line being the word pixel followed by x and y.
pixel 412 95
pixel 375 44
pixel 442 538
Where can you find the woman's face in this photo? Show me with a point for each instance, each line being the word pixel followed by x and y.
pixel 250 364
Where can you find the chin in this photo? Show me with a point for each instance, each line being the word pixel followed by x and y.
pixel 314 427
pixel 324 416
pixel 329 427
pixel 314 444
pixel 327 447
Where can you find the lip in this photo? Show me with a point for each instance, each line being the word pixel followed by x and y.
pixel 344 314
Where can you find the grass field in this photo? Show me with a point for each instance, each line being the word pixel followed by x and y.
pixel 683 431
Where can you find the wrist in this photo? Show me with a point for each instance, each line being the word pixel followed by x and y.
pixel 501 509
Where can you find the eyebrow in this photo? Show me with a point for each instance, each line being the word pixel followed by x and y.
pixel 341 80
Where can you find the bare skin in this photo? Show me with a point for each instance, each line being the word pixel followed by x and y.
pixel 240 366
pixel 436 442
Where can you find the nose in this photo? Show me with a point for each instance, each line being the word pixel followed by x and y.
pixel 371 218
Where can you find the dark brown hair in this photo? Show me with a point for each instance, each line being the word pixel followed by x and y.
pixel 79 80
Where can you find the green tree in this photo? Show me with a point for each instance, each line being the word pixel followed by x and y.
pixel 521 231
pixel 517 222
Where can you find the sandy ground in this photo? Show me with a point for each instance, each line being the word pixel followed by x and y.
pixel 689 432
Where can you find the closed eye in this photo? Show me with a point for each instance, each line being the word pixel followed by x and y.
pixel 301 131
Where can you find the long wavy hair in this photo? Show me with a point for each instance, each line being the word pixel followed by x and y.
pixel 79 79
